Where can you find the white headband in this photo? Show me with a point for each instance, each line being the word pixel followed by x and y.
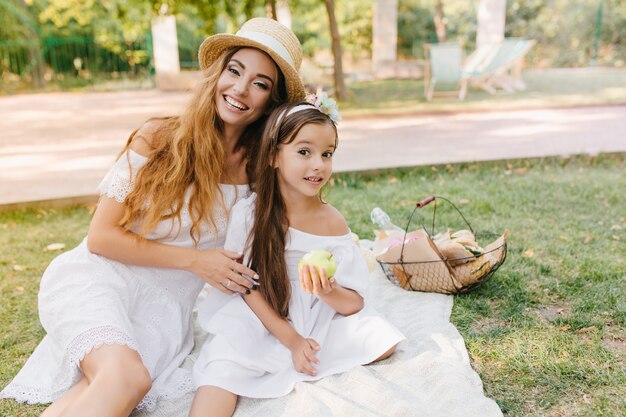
pixel 320 102
pixel 300 107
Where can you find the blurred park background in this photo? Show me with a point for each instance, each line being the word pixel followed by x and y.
pixel 69 45
pixel 547 333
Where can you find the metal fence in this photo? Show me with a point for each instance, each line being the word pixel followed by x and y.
pixel 33 64
pixel 188 53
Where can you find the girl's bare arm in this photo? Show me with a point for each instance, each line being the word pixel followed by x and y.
pixel 345 301
pixel 278 326
pixel 302 349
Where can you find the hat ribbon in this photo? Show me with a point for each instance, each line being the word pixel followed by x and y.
pixel 270 42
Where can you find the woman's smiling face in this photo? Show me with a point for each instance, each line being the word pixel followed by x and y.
pixel 244 88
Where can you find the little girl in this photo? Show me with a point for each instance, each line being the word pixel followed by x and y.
pixel 293 326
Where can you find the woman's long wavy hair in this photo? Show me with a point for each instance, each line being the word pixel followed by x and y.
pixel 268 237
pixel 188 152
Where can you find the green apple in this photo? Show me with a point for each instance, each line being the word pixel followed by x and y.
pixel 321 259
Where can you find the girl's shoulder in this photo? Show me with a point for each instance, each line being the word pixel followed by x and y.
pixel 325 221
pixel 335 222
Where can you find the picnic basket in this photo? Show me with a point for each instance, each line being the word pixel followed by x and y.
pixel 441 274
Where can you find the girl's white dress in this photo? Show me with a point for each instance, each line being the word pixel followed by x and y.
pixel 242 357
pixel 87 300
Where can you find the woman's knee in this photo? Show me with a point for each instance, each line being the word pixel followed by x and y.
pixel 120 365
pixel 135 377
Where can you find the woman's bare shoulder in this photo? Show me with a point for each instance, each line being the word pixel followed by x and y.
pixel 144 137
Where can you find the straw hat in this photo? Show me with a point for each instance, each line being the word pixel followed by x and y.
pixel 271 37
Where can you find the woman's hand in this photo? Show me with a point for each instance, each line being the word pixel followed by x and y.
pixel 303 355
pixel 315 282
pixel 222 270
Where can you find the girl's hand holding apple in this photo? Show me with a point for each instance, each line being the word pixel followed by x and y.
pixel 316 270
pixel 321 259
pixel 314 282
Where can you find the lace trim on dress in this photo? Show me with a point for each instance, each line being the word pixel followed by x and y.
pixel 118 188
pixel 185 386
pixel 29 395
pixel 148 403
pixel 120 180
pixel 95 338
pixel 181 386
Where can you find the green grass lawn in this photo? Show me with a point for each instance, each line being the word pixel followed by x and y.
pixel 546 333
pixel 546 88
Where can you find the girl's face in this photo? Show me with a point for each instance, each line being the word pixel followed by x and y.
pixel 244 88
pixel 305 164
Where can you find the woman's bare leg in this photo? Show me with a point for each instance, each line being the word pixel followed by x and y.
pixel 214 402
pixel 116 381
pixel 55 409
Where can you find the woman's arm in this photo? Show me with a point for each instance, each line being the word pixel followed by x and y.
pixel 107 238
pixel 343 300
pixel 302 349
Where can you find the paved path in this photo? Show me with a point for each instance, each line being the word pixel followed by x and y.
pixel 60 145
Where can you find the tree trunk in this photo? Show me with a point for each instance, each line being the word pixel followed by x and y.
pixel 34 50
pixel 271 9
pixel 35 59
pixel 440 25
pixel 340 87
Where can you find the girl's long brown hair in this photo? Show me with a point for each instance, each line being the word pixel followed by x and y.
pixel 188 151
pixel 269 232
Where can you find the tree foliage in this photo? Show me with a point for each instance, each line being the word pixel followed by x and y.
pixel 416 26
pixel 18 19
pixel 564 29
pixel 354 21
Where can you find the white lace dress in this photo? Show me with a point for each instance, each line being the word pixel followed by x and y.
pixel 87 300
pixel 241 355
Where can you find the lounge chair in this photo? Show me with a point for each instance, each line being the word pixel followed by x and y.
pixel 497 65
pixel 444 66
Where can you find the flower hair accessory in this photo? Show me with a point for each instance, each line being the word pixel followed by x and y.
pixel 325 104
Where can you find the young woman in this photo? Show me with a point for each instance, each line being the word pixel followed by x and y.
pixel 293 326
pixel 118 308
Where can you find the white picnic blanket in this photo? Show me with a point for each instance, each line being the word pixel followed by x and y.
pixel 431 377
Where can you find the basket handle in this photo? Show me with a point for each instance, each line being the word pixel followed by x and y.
pixel 425 201
pixel 457 210
pixel 419 205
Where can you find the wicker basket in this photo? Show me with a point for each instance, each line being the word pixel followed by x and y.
pixel 447 275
